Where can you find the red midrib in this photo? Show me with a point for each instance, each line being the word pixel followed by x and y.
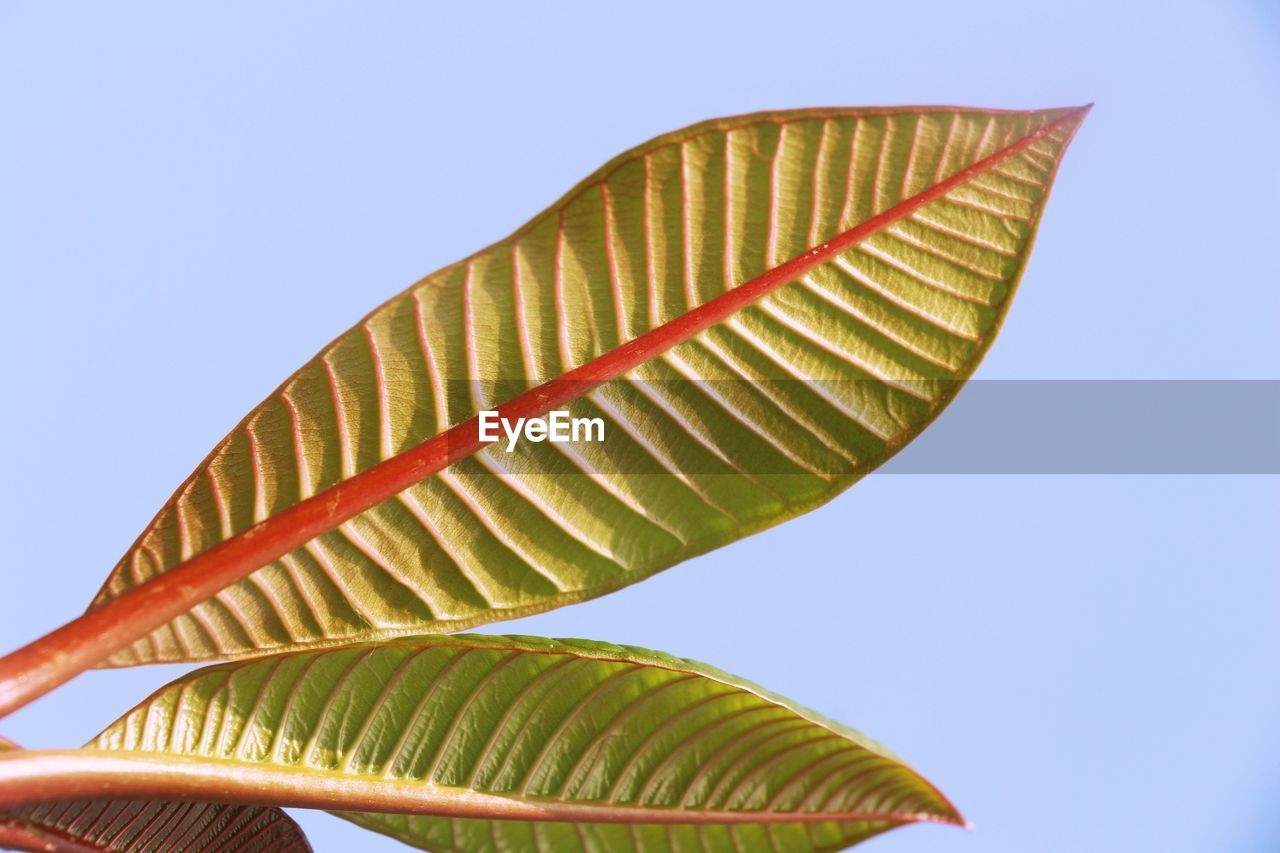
pixel 34 669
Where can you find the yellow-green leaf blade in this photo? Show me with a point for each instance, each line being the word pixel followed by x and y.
pixel 765 414
pixel 605 740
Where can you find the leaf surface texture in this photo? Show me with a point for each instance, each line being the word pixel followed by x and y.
pixel 664 753
pixel 764 415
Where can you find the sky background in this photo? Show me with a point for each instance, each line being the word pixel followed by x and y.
pixel 195 197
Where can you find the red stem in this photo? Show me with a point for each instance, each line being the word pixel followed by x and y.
pixel 37 668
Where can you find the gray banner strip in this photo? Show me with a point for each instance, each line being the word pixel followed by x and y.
pixel 991 427
pixel 1102 427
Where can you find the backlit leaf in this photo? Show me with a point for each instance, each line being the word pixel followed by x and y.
pixel 909 228
pixel 611 748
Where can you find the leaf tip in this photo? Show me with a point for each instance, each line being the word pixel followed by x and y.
pixel 1074 115
pixel 948 813
pixel 954 817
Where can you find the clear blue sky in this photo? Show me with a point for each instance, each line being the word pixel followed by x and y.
pixel 195 197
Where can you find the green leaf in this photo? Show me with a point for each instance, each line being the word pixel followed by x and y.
pixel 572 744
pixel 738 388
pixel 143 826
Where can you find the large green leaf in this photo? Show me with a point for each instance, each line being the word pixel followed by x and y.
pixel 148 826
pixel 909 229
pixel 575 745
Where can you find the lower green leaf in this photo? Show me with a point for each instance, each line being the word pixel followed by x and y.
pixel 485 743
